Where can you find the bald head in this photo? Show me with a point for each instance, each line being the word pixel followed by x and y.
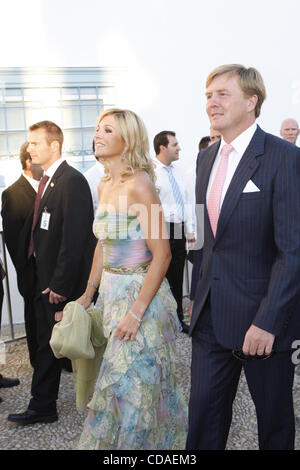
pixel 290 130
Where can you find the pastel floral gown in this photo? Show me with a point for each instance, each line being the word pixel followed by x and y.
pixel 136 403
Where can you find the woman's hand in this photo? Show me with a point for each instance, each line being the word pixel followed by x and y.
pixel 85 300
pixel 127 328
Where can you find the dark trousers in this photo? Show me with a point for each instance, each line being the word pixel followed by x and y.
pixel 1 301
pixel 30 328
pixel 214 380
pixel 176 268
pixel 47 369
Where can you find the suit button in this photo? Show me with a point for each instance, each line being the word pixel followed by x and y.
pixel 216 278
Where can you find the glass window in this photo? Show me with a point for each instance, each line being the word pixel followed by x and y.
pixel 2 119
pixel 15 116
pixel 40 113
pixel 69 94
pixel 71 115
pixel 72 141
pixel 88 136
pixel 45 96
pixel 89 112
pixel 3 146
pixel 74 108
pixel 107 95
pixel 88 93
pixel 13 95
pixel 15 140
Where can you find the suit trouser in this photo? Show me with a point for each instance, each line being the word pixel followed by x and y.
pixel 176 268
pixel 30 328
pixel 1 301
pixel 214 380
pixel 47 369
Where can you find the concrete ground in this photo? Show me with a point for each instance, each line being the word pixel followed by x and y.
pixel 64 433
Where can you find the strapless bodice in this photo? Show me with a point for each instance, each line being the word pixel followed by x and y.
pixel 123 242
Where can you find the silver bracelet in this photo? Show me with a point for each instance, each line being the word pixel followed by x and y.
pixel 91 283
pixel 135 316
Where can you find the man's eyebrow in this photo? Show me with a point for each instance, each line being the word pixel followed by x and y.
pixel 217 91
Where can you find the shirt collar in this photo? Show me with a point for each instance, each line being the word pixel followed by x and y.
pixel 159 164
pixel 241 142
pixel 52 169
pixel 34 183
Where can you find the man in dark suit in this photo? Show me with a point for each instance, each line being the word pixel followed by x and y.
pixel 60 246
pixel 247 290
pixel 17 203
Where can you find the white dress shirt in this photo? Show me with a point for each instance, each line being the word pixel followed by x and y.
pixel 34 183
pixel 93 176
pixel 170 208
pixel 51 170
pixel 239 146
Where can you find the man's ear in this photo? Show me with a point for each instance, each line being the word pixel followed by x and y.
pixel 252 102
pixel 28 164
pixel 55 145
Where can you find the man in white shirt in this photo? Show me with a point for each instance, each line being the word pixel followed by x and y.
pixel 93 176
pixel 178 210
pixel 246 307
pixel 290 130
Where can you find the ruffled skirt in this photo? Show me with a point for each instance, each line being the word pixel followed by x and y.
pixel 136 402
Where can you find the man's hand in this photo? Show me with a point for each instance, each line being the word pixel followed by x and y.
pixel 191 308
pixel 53 297
pixel 258 341
pixel 191 239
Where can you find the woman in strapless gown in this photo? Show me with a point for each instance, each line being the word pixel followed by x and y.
pixel 136 403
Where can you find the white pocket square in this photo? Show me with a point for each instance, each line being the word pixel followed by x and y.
pixel 251 188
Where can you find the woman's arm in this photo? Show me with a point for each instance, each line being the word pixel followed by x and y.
pixel 149 213
pixel 94 277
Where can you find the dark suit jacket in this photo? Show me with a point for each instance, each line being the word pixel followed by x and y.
pixel 17 203
pixel 252 268
pixel 64 252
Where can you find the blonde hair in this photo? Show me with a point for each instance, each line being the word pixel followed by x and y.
pixel 251 81
pixel 136 152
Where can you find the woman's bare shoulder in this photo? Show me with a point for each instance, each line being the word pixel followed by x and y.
pixel 141 185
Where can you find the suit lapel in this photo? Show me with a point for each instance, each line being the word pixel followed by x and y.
pixel 204 171
pixel 27 186
pixel 242 175
pixel 202 183
pixel 51 187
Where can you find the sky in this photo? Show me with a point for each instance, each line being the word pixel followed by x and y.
pixel 167 48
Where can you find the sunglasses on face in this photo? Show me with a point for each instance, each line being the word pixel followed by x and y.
pixel 238 354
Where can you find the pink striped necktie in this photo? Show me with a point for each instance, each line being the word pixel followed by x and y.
pixel 214 199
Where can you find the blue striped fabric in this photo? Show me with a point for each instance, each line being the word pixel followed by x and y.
pixel 176 192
